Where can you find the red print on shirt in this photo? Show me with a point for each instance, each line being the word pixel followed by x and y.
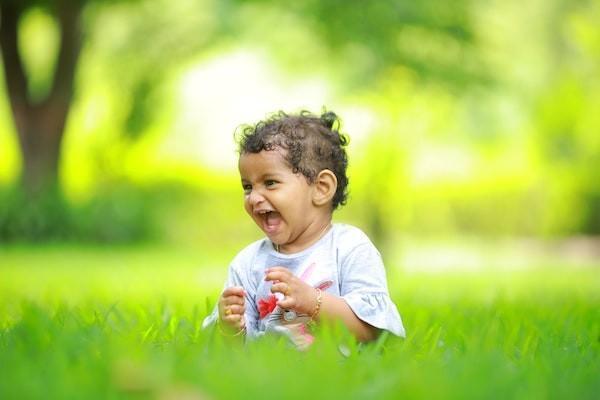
pixel 265 307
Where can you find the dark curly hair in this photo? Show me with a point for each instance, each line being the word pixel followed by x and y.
pixel 312 143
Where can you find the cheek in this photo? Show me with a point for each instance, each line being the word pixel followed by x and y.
pixel 247 206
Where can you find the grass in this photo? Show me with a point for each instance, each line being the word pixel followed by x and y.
pixel 126 323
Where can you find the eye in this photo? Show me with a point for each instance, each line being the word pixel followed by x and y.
pixel 270 183
pixel 247 188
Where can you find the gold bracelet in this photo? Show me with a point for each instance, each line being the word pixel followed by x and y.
pixel 318 306
pixel 242 330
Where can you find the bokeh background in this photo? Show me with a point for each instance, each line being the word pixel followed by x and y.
pixel 467 120
pixel 470 119
pixel 474 167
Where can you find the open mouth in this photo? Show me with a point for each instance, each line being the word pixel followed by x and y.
pixel 270 220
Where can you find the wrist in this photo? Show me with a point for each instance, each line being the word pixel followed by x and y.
pixel 317 308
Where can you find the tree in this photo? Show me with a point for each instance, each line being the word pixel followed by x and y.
pixel 365 39
pixel 40 126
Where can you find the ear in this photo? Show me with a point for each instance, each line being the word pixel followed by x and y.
pixel 325 187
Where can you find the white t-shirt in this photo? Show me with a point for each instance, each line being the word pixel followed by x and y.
pixel 343 263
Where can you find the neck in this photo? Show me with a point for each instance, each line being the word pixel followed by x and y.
pixel 287 249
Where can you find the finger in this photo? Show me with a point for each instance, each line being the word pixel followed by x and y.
pixel 282 276
pixel 288 303
pixel 232 319
pixel 231 300
pixel 234 309
pixel 282 288
pixel 234 291
pixel 278 269
pixel 241 323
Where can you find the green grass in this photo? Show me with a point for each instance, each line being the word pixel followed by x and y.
pixel 126 323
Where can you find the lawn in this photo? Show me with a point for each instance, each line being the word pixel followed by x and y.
pixel 126 323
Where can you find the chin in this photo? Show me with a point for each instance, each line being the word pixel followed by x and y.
pixel 277 239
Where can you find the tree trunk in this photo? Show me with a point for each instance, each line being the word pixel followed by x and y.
pixel 40 127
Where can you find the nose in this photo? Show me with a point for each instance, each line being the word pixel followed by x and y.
pixel 255 198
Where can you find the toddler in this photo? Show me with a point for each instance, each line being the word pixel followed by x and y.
pixel 293 172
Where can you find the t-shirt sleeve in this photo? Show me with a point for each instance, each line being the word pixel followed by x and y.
pixel 363 285
pixel 237 276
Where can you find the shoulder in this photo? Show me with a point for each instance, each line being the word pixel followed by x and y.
pixel 351 243
pixel 360 263
pixel 350 237
pixel 354 246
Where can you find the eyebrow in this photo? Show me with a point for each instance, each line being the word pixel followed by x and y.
pixel 265 176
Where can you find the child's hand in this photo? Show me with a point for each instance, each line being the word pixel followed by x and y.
pixel 299 296
pixel 232 308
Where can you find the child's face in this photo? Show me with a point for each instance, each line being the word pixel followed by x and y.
pixel 280 201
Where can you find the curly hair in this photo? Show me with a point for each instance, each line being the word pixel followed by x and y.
pixel 312 143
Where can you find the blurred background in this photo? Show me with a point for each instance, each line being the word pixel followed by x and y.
pixel 474 126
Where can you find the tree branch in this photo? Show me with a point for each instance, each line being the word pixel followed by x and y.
pixel 16 81
pixel 68 16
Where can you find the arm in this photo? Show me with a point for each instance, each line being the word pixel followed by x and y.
pixel 336 308
pixel 234 311
pixel 302 298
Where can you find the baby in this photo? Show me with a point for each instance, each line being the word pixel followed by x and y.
pixel 293 172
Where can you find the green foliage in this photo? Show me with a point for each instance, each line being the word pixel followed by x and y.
pixel 121 212
pixel 117 215
pixel 39 218
pixel 363 39
pixel 568 142
pixel 440 153
pixel 134 330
